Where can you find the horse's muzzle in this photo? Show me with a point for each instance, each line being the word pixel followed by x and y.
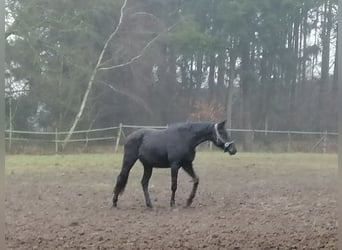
pixel 232 152
pixel 231 149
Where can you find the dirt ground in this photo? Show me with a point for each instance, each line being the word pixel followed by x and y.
pixel 243 202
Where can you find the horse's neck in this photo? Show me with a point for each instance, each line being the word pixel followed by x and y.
pixel 201 133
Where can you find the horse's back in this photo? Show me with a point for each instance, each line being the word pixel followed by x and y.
pixel 159 148
pixel 152 150
pixel 150 145
pixel 141 135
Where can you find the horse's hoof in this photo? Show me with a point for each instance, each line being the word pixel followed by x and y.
pixel 174 209
pixel 149 206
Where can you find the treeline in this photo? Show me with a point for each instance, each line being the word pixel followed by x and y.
pixel 262 64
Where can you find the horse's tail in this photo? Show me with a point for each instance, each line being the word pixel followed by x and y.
pixel 131 150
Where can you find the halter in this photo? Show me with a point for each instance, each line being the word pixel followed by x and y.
pixel 219 138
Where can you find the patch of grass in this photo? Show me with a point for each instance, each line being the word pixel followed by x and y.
pixel 302 160
pixel 78 162
pixel 109 162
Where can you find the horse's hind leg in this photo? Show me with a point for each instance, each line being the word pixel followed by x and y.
pixel 189 169
pixel 121 181
pixel 144 183
pixel 174 176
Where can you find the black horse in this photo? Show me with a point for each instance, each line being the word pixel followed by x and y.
pixel 172 148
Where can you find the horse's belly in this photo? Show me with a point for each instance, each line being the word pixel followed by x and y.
pixel 155 162
pixel 153 157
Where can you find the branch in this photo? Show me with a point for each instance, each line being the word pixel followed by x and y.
pixel 111 36
pixel 142 13
pixel 134 98
pixel 9 33
pixel 133 59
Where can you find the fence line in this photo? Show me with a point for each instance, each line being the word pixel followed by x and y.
pixel 57 132
pixel 137 126
pixel 163 127
pixel 282 132
pixel 57 136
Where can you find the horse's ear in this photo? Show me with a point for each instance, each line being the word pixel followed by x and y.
pixel 222 124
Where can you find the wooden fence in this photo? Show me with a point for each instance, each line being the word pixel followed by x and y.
pixel 287 140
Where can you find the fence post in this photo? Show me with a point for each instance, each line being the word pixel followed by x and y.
pixel 56 140
pixel 10 124
pixel 10 139
pixel 118 138
pixel 87 140
pixel 288 141
pixel 325 139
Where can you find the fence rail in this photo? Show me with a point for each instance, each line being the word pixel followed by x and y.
pixel 163 127
pixel 261 138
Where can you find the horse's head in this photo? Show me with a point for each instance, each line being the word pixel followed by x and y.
pixel 222 140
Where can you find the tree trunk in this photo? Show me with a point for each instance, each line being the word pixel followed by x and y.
pixel 293 74
pixel 266 86
pixel 229 92
pixel 335 77
pixel 326 32
pixel 304 32
pixel 246 78
pixel 221 71
pixel 199 72
pixel 211 78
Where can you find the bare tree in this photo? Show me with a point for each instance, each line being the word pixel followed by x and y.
pixel 100 66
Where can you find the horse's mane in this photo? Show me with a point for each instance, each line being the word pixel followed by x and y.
pixel 193 126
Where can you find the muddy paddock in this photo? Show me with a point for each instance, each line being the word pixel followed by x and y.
pixel 249 201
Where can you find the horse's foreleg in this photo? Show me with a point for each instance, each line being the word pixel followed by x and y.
pixel 144 183
pixel 174 176
pixel 189 169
